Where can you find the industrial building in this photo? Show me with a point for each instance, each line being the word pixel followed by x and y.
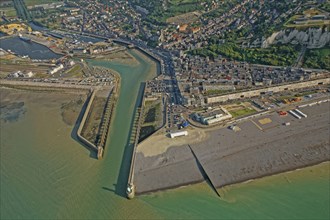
pixel 212 116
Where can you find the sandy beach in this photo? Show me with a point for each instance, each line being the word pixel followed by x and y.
pixel 148 147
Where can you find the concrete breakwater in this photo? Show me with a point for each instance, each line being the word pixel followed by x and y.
pixel 83 121
pixel 103 131
pixel 42 85
pixel 130 185
pixel 105 124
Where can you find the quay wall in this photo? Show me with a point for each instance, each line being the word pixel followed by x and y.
pixel 83 121
pixel 106 121
pixel 148 53
pixel 50 48
pixel 44 85
pixel 136 141
pixel 104 130
pixel 258 92
pixel 157 59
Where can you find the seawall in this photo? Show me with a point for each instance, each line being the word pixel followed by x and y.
pixel 83 121
pixel 42 85
pixel 130 185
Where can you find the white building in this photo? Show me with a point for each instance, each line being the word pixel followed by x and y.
pixel 56 69
pixel 178 134
pixel 213 116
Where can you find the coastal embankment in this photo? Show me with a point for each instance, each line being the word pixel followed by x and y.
pixel 258 149
pixel 42 86
pixel 99 143
pixel 83 121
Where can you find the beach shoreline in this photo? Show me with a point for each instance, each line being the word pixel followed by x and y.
pixel 230 157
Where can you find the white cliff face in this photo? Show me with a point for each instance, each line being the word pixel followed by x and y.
pixel 270 40
pixel 312 38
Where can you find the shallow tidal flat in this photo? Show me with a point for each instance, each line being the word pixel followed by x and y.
pixel 37 147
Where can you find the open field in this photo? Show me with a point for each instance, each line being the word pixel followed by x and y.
pixel 308 24
pixel 8 11
pixel 9 68
pixel 240 110
pixel 152 118
pixel 38 2
pixel 308 14
pixel 184 18
pixel 75 71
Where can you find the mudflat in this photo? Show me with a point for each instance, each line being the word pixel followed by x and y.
pixel 257 150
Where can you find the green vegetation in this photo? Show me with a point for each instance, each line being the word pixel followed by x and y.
pixel 325 6
pixel 153 110
pixel 38 2
pixel 75 71
pixel 8 11
pixel 317 58
pixel 285 97
pixel 225 7
pixel 277 55
pixel 160 12
pixel 146 131
pixel 151 115
pixel 152 118
pixel 216 92
pixel 242 112
pixel 305 93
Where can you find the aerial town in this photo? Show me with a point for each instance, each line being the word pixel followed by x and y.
pixel 231 80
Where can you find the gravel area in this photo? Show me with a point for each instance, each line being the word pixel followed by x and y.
pixel 229 157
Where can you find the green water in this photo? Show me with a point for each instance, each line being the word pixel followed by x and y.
pixel 46 174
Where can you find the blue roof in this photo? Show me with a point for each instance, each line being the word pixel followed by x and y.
pixel 185 123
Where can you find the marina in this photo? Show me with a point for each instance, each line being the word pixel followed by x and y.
pixel 25 47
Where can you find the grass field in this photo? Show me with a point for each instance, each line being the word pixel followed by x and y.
pixel 216 92
pixel 152 119
pixel 308 23
pixel 186 18
pixel 8 11
pixel 75 71
pixel 181 2
pixel 242 112
pixel 38 2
